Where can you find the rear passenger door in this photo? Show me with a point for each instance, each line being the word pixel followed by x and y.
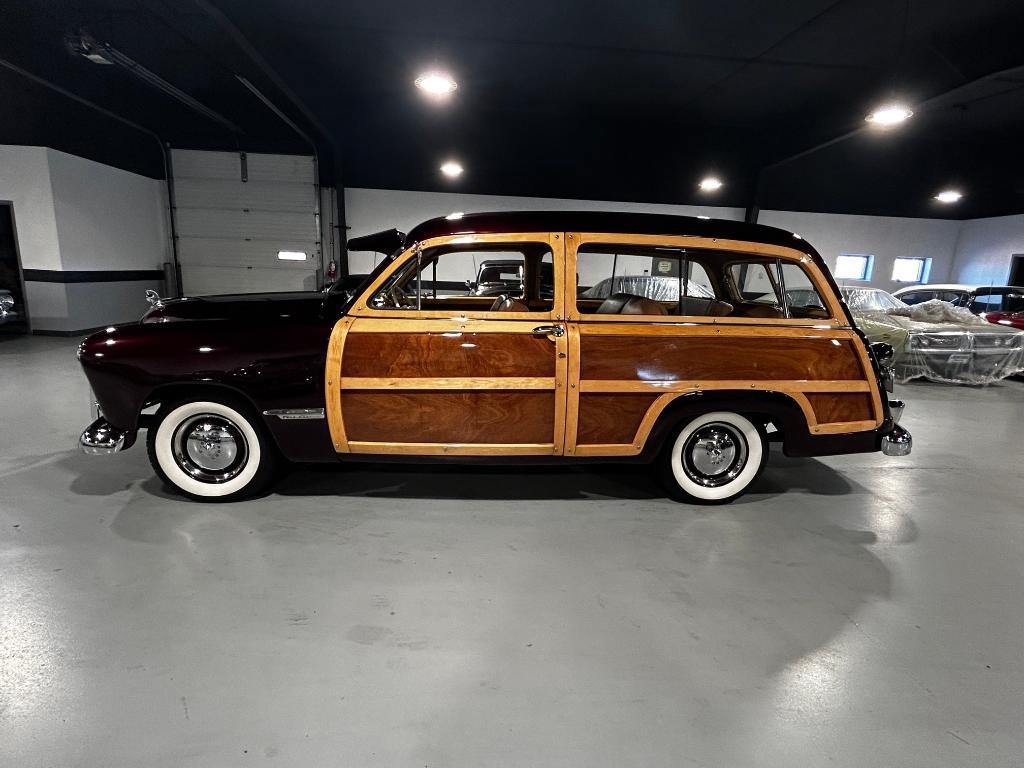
pixel 654 318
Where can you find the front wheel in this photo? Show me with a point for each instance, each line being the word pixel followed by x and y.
pixel 714 458
pixel 211 451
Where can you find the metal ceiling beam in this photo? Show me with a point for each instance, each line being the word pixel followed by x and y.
pixel 164 151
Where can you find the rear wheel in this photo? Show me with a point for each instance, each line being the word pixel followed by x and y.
pixel 714 458
pixel 211 450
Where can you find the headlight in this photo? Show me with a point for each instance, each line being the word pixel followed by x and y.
pixel 998 340
pixel 7 301
pixel 937 341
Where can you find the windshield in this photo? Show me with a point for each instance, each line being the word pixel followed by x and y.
pixel 871 299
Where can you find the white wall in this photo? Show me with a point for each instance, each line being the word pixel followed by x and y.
pixel 884 237
pixel 73 214
pixel 373 210
pixel 107 219
pixel 984 249
pixel 25 181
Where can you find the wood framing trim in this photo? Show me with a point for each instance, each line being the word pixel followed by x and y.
pixel 362 308
pixel 775 385
pixel 354 383
pixel 575 239
pixel 332 384
pixel 572 395
pixel 453 449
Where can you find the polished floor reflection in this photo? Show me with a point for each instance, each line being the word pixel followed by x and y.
pixel 850 611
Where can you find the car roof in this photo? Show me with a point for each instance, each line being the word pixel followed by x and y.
pixel 611 221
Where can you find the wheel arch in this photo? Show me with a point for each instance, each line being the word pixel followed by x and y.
pixel 762 407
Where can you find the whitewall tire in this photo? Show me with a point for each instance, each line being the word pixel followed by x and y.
pixel 714 458
pixel 210 450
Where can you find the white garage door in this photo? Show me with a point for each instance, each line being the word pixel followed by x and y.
pixel 231 233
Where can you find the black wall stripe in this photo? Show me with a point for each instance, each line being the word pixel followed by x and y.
pixel 91 276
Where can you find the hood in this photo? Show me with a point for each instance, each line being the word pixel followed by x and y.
pixel 240 306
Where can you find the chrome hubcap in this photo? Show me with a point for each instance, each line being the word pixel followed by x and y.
pixel 210 448
pixel 714 455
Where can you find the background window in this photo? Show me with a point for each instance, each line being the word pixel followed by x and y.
pixel 911 270
pixel 853 266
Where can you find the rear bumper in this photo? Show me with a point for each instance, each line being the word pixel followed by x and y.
pixel 898 442
pixel 101 438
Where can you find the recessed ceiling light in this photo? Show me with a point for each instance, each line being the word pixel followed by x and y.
pixel 452 169
pixel 436 83
pixel 949 196
pixel 890 114
pixel 710 184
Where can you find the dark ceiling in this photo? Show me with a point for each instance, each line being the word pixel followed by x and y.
pixel 596 99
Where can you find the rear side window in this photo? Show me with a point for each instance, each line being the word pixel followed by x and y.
pixel 652 280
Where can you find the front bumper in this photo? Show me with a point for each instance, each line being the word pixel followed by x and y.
pixel 101 438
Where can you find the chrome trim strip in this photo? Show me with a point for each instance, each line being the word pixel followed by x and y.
pixel 291 414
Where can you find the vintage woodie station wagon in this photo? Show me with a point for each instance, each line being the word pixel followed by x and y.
pixel 691 343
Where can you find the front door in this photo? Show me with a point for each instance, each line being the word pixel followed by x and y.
pixel 459 348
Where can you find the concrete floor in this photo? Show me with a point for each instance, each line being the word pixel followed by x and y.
pixel 851 611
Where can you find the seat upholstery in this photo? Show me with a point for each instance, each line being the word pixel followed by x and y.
pixel 753 309
pixel 628 304
pixel 701 307
pixel 508 304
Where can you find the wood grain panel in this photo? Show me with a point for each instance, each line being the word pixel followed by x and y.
pixel 447 355
pixel 689 358
pixel 841 407
pixel 486 416
pixel 611 418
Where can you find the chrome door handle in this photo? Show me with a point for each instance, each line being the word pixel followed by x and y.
pixel 558 331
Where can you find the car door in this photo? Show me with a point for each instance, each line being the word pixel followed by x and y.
pixel 655 318
pixel 424 365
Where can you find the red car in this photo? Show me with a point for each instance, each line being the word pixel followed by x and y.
pixel 999 304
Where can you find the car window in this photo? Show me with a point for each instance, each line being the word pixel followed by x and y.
pixel 652 280
pixel 1013 302
pixel 916 297
pixel 987 302
pixel 756 282
pixel 473 277
pixel 871 300
pixel 801 295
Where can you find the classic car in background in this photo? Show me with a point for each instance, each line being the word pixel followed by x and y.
pixel 7 308
pixel 999 304
pixel 936 340
pixel 698 385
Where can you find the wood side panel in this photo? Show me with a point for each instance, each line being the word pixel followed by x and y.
pixel 841 407
pixel 690 358
pixel 451 354
pixel 486 416
pixel 611 418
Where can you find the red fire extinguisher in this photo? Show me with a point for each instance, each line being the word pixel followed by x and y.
pixel 332 271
